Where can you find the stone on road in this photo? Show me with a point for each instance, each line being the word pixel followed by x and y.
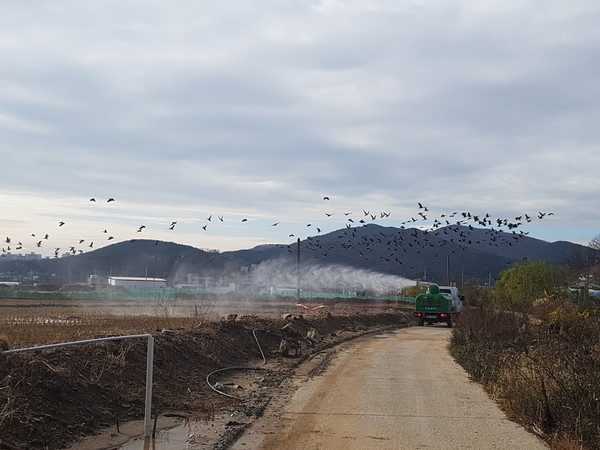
pixel 401 390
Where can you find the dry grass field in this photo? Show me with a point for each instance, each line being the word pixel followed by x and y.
pixel 25 323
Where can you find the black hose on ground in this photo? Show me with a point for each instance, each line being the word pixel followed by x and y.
pixel 236 368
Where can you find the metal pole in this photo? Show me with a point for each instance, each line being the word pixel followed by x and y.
pixel 448 269
pixel 148 407
pixel 298 271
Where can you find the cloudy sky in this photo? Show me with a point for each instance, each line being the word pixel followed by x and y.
pixel 251 112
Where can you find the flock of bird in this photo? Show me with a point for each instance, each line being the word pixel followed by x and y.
pixel 448 229
pixel 455 230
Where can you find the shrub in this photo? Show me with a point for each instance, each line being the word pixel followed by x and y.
pixel 546 374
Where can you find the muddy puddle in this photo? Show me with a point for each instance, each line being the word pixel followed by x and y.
pixel 176 438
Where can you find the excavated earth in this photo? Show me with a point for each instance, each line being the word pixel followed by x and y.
pixel 63 397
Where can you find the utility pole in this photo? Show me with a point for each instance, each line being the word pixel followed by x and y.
pixel 448 269
pixel 298 271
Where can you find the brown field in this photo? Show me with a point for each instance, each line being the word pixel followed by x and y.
pixel 25 323
pixel 52 398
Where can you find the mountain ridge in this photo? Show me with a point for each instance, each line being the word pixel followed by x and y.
pixel 458 251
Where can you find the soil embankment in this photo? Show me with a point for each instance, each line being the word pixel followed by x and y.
pixel 55 398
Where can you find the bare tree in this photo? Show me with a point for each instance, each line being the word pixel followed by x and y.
pixel 595 244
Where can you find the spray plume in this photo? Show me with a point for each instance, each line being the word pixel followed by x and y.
pixel 281 273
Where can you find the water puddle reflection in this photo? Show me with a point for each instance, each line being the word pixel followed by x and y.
pixel 171 439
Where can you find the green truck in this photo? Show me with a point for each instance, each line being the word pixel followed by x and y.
pixel 438 304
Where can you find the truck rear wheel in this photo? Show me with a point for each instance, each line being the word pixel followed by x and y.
pixel 421 322
pixel 449 321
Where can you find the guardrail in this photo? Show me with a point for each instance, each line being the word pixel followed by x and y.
pixel 149 367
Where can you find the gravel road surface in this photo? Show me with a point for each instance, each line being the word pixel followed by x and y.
pixel 400 390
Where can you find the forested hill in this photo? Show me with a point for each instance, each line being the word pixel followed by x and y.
pixel 463 251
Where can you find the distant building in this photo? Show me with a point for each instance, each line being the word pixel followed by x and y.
pixel 21 257
pixel 137 282
pixel 97 280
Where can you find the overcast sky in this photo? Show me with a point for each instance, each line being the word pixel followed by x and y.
pixel 189 110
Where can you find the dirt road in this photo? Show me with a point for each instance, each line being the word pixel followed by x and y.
pixel 400 390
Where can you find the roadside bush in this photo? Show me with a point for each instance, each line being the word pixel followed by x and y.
pixel 477 296
pixel 527 281
pixel 545 374
pixel 485 338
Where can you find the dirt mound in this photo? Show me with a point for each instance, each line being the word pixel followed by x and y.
pixel 51 398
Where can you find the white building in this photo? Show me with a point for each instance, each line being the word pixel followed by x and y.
pixel 137 282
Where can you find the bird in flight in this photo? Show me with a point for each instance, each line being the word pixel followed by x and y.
pixel 60 224
pixel 172 226
pixel 92 199
pixel 325 198
pixel 110 200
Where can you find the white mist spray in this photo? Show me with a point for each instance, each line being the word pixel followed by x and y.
pixel 282 274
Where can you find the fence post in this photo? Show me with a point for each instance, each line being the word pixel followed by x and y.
pixel 148 407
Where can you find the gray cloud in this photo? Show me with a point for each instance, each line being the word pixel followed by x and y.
pixel 262 108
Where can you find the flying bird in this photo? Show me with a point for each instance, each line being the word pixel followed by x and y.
pixel 325 198
pixel 92 199
pixel 60 224
pixel 110 200
pixel 244 220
